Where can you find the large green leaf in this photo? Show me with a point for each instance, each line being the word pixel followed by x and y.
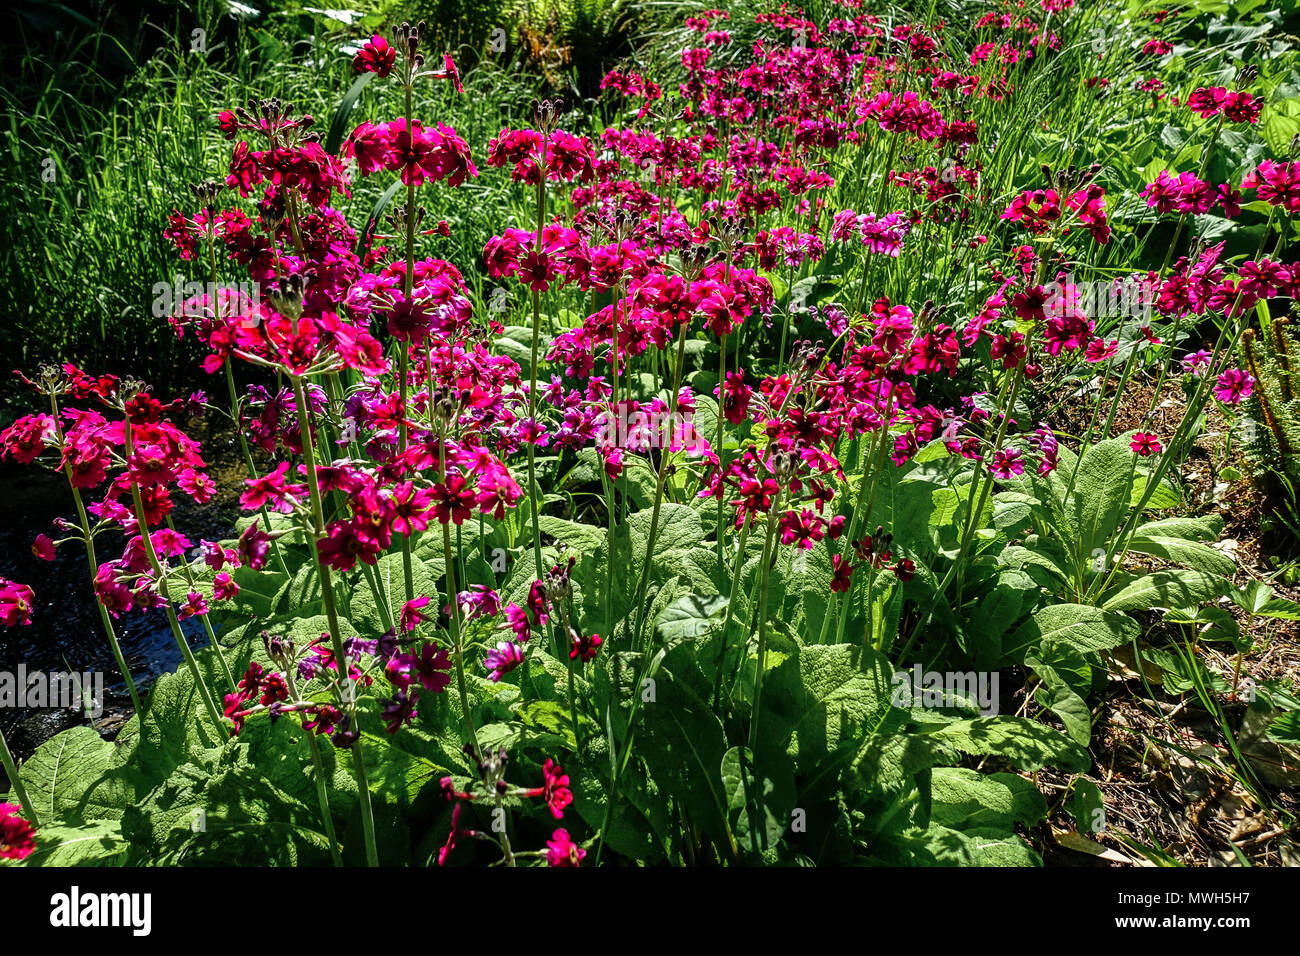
pixel 758 805
pixel 848 693
pixel 77 776
pixel 943 846
pixel 91 844
pixel 1080 626
pixel 966 799
pixel 1101 493
pixel 1164 589
pixel 683 743
pixel 690 616
pixel 1025 744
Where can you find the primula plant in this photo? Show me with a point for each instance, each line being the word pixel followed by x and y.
pixel 779 482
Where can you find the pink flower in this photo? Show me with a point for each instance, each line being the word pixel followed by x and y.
pixel 224 587
pixel 1196 362
pixel 841 575
pixel 503 660
pixel 1276 183
pixel 43 547
pixel 1007 462
pixel 25 439
pixel 375 56
pixel 411 612
pixel 18 837
pixel 556 790
pixel 194 606
pixel 561 851
pixel 585 648
pixel 1145 444
pixel 1233 385
pixel 15 603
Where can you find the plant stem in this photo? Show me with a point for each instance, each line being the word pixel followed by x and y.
pixel 11 771
pixel 207 624
pixel 347 695
pixel 318 774
pixel 88 537
pixel 142 528
pixel 248 461
pixel 659 494
pixel 762 625
pixel 456 637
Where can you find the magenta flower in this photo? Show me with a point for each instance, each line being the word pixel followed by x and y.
pixel 18 837
pixel 1007 463
pixel 1233 385
pixel 224 587
pixel 584 648
pixel 43 547
pixel 411 616
pixel 375 56
pixel 561 851
pixel 15 603
pixel 1145 444
pixel 503 660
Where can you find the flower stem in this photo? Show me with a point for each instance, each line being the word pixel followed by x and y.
pixel 762 624
pixel 331 614
pixel 457 641
pixel 659 494
pixel 318 774
pixel 88 537
pixel 165 591
pixel 207 624
pixel 11 771
pixel 248 463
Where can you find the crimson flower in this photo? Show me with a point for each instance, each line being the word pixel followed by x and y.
pixel 375 56
pixel 1145 444
pixel 18 837
pixel 15 603
pixel 561 851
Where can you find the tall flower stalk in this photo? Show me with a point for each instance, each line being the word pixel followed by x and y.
pixel 346 688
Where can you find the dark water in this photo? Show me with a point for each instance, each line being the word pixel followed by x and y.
pixel 67 633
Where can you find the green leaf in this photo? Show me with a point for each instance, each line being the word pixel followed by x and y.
pixel 1056 695
pixel 1193 554
pixel 341 120
pixel 77 776
pixel 683 743
pixel 751 798
pixel 1026 744
pixel 1257 598
pixel 942 846
pixel 690 616
pixel 1087 806
pixel 966 799
pixel 848 691
pixel 1101 493
pixel 1285 728
pixel 1080 626
pixel 92 844
pixel 221 810
pixel 1164 496
pixel 579 539
pixel 1166 589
